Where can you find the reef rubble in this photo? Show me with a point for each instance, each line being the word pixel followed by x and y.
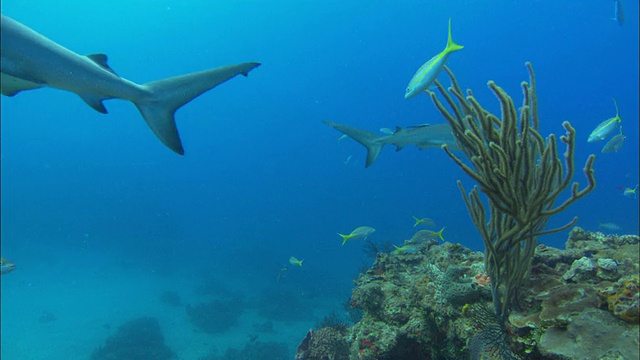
pixel 580 302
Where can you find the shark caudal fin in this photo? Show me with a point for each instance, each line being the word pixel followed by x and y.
pixel 366 138
pixel 170 94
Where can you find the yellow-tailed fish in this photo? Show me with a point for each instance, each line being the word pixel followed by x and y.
pixel 609 226
pixel 425 221
pixel 605 128
pixel 408 248
pixel 632 193
pixel 429 71
pixel 424 235
pixel 294 261
pixel 361 232
pixel 282 274
pixel 6 266
pixel 615 143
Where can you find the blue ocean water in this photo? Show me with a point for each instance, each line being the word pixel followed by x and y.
pixel 100 217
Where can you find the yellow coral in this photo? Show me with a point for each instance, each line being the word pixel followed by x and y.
pixel 623 299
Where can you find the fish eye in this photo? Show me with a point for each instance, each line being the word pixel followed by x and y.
pixel 408 89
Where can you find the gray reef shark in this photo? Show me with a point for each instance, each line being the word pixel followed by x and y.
pixel 31 61
pixel 422 136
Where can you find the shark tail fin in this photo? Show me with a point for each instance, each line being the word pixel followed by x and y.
pixel 168 95
pixel 366 138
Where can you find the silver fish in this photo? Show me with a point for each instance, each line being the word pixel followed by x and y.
pixel 615 144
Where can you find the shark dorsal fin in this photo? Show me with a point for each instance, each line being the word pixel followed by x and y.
pixel 101 59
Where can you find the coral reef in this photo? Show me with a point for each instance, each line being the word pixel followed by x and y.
pixel 327 343
pixel 428 304
pixel 171 298
pixel 216 316
pixel 283 305
pixel 139 339
pixel 254 351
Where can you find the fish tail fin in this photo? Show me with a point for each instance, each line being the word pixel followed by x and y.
pixel 439 233
pixel 345 238
pixel 300 262
pixel 418 221
pixel 451 45
pixel 168 95
pixel 615 102
pixel 366 138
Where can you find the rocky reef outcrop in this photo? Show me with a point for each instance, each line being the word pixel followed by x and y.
pixel 139 339
pixel 580 302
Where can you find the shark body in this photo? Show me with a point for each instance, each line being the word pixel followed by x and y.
pixel 31 61
pixel 422 136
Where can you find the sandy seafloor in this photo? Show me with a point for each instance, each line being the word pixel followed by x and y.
pixel 90 299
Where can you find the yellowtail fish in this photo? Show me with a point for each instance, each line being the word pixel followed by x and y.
pixel 610 226
pixel 429 71
pixel 632 193
pixel 618 12
pixel 282 274
pixel 408 248
pixel 424 235
pixel 615 143
pixel 361 232
pixel 294 261
pixel 6 266
pixel 424 221
pixel 605 128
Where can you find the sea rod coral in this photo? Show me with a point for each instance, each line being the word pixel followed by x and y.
pixel 520 173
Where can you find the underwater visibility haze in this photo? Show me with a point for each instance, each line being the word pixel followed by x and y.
pixel 259 231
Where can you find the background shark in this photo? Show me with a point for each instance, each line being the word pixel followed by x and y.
pixel 422 136
pixel 31 61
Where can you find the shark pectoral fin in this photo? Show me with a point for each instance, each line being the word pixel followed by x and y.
pixel 163 125
pixel 95 102
pixel 101 59
pixel 12 85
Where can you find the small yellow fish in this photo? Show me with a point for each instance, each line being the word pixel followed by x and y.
pixel 424 235
pixel 631 192
pixel 605 128
pixel 615 143
pixel 425 221
pixel 610 226
pixel 294 261
pixel 282 274
pixel 6 266
pixel 408 248
pixel 429 71
pixel 361 232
